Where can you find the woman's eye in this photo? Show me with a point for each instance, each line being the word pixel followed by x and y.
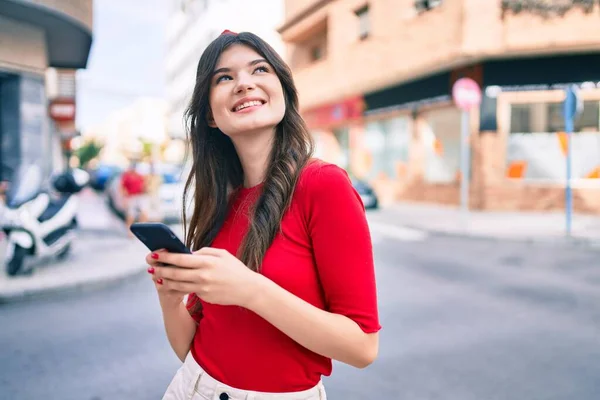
pixel 223 78
pixel 261 69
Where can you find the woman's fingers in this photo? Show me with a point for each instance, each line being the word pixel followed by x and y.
pixel 211 251
pixel 169 287
pixel 175 286
pixel 191 261
pixel 152 258
pixel 177 274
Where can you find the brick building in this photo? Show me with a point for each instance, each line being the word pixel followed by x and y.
pixel 375 81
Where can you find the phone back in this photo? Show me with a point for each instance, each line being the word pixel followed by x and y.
pixel 158 236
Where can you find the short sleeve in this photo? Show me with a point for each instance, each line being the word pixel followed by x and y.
pixel 342 247
pixel 194 306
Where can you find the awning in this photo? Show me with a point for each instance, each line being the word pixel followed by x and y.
pixel 68 40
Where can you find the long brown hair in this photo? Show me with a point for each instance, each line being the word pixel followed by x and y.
pixel 216 167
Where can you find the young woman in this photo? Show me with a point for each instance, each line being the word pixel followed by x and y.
pixel 282 279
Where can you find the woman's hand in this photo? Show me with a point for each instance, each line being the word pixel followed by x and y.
pixel 215 275
pixel 166 296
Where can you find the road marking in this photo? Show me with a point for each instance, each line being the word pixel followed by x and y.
pixel 396 232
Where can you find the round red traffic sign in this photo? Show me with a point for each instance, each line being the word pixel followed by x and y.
pixel 466 94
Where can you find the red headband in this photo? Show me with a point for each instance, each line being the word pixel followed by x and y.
pixel 228 32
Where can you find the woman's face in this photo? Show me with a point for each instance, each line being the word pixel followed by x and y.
pixel 245 94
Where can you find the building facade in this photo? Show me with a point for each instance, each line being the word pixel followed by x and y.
pixel 375 80
pixel 192 25
pixel 42 44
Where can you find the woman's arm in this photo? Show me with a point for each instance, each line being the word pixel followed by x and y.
pixel 336 223
pixel 180 327
pixel 328 334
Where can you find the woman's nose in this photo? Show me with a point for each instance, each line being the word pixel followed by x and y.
pixel 244 84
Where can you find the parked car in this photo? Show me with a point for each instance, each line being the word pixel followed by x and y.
pixel 367 194
pixel 169 196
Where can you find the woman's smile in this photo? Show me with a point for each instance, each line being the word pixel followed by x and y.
pixel 247 105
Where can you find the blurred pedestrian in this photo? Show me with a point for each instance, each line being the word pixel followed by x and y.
pixel 282 279
pixel 154 181
pixel 133 190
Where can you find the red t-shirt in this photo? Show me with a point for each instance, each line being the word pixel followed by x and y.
pixel 323 255
pixel 132 182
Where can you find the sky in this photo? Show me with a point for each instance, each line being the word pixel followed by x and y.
pixel 126 60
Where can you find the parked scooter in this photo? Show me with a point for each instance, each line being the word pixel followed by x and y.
pixel 40 223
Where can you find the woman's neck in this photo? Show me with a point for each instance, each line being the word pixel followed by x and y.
pixel 254 152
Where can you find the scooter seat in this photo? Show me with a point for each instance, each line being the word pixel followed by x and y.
pixel 53 208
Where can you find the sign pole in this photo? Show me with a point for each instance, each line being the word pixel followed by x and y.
pixel 467 96
pixel 465 157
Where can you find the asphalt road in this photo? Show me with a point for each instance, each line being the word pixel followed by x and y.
pixel 462 320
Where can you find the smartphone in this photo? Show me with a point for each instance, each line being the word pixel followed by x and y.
pixel 156 236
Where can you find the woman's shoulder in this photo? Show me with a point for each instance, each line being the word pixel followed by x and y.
pixel 319 175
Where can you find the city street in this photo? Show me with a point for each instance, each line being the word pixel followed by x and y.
pixel 463 319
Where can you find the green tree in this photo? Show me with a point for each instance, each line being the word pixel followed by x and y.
pixel 87 152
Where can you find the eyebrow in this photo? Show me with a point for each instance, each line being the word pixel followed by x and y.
pixel 254 62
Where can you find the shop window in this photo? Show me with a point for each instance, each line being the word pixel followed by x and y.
pixel 537 146
pixel 364 23
pixel 520 118
pixel 548 117
pixel 426 5
pixel 387 142
pixel 342 135
pixel 441 137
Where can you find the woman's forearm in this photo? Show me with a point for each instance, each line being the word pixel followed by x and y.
pixel 180 328
pixel 328 334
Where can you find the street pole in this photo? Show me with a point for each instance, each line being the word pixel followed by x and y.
pixel 466 94
pixel 572 106
pixel 465 156
pixel 568 191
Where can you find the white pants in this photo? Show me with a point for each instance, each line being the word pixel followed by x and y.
pixel 191 382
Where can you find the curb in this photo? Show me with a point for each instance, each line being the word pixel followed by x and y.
pixel 530 240
pixel 9 293
pixel 107 265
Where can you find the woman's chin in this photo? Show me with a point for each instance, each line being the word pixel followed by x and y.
pixel 256 128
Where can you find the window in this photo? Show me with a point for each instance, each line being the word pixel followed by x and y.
pixel 364 26
pixel 536 147
pixel 342 136
pixel 426 5
pixel 310 49
pixel 520 118
pixel 548 117
pixel 387 143
pixel 316 53
pixel 440 134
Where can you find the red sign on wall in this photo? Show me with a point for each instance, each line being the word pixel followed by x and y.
pixel 62 109
pixel 330 114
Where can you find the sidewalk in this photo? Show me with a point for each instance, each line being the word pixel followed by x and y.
pixel 101 255
pixel 498 225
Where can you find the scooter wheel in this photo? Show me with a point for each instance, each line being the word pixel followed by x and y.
pixel 15 265
pixel 64 253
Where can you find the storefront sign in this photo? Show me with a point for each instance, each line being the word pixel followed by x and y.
pixel 62 109
pixel 466 94
pixel 332 114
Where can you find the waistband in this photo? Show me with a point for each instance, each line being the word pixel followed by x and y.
pixel 211 388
